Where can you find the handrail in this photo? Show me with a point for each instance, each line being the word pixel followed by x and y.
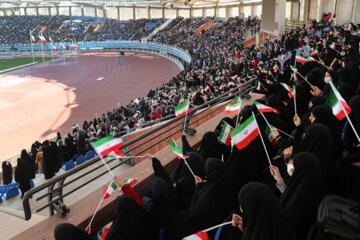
pixel 60 179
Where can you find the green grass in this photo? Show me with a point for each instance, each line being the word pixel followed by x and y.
pixel 10 63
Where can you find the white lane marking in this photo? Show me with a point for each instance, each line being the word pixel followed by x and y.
pixel 100 78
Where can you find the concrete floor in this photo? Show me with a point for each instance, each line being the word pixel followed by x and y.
pixel 11 226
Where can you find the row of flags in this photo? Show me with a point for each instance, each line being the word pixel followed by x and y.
pixel 62 45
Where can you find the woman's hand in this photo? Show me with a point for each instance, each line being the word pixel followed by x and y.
pixel 237 221
pixel 297 120
pixel 88 230
pixel 315 91
pixel 274 133
pixel 288 152
pixel 276 173
pixel 198 179
pixel 117 181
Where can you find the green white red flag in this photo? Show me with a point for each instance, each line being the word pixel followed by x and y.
pixel 300 59
pixel 32 38
pixel 109 190
pixel 263 108
pixel 233 107
pixel 270 136
pixel 197 236
pixel 333 63
pixel 314 53
pixel 337 103
pixel 258 86
pixel 193 95
pixel 50 40
pixel 264 71
pixel 224 134
pixel 332 46
pixel 235 77
pixel 294 69
pixel 245 133
pixel 107 145
pixel 182 109
pixel 276 68
pixel 130 181
pixel 54 47
pixel 177 150
pixel 98 132
pixel 75 126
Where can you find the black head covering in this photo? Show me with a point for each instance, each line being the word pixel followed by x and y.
pixel 275 102
pixel 318 141
pixel 263 216
pixel 210 146
pixel 323 114
pixel 214 199
pixel 161 195
pixel 303 193
pixel 66 231
pixel 185 183
pixel 131 221
pixel 7 172
pixel 221 123
pixel 354 104
pixel 242 167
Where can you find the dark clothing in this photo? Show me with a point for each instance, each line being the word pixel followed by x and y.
pixel 23 175
pixel 303 193
pixel 66 231
pixel 7 172
pixel 263 217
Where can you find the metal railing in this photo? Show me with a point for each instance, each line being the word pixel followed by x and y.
pixel 55 195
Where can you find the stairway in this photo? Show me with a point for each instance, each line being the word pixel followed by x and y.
pixel 161 27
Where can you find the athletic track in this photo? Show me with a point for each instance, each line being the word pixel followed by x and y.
pixel 37 102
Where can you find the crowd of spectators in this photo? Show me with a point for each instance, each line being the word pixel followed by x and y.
pixel 314 155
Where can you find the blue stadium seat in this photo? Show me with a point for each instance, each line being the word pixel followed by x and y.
pixel 32 183
pixel 1 200
pixel 80 159
pixel 68 165
pixel 12 192
pixel 89 155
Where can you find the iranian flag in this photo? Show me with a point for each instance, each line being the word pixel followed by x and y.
pixel 264 71
pixel 294 69
pixel 349 27
pixel 263 108
pixel 181 101
pixel 270 136
pixel 50 40
pixel 32 38
pixel 276 68
pixel 207 88
pixel 63 46
pixel 109 190
pixel 233 107
pixel 75 126
pixel 235 77
pixel 314 53
pixel 332 46
pixel 193 95
pixel 106 145
pixel 300 59
pixel 182 109
pixel 333 63
pixel 224 134
pixel 42 38
pixel 258 86
pixel 311 59
pixel 221 87
pixel 197 236
pixel 54 47
pixel 337 103
pixel 130 181
pixel 98 132
pixel 292 93
pixel 245 133
pixel 177 150
pixel 116 153
pixel 356 33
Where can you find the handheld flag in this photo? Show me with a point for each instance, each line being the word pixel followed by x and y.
pixel 32 38
pixel 333 63
pixel 276 68
pixel 245 133
pixel 177 150
pixel 224 134
pixel 263 108
pixel 50 40
pixel 258 86
pixel 270 136
pixel 182 109
pixel 300 59
pixel 75 126
pixel 107 145
pixel 109 190
pixel 335 100
pixel 130 181
pixel 233 107
pixel 332 46
pixel 197 236
pixel 54 47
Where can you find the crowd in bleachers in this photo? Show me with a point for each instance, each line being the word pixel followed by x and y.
pixel 314 155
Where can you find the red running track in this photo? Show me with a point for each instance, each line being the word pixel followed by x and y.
pixel 37 102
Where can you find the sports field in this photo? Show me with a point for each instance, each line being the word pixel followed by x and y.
pixel 12 63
